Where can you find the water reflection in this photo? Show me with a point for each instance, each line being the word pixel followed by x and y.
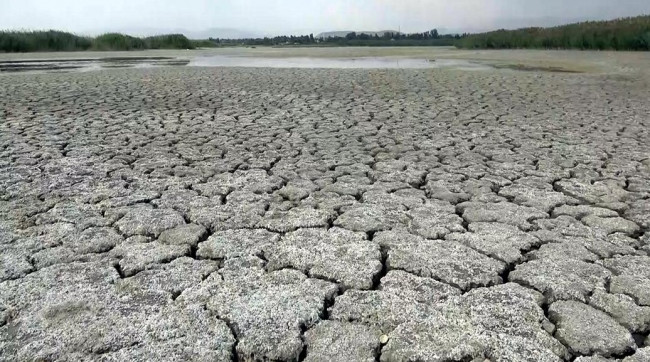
pixel 87 64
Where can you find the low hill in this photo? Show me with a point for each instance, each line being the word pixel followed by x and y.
pixel 220 33
pixel 619 34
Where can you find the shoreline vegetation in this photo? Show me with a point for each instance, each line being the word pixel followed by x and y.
pixel 388 38
pixel 619 34
pixel 53 40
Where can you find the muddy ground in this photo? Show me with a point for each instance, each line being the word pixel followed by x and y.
pixel 186 213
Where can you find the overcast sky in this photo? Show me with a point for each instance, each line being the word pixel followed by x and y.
pixel 270 17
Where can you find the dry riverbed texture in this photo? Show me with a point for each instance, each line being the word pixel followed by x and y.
pixel 231 214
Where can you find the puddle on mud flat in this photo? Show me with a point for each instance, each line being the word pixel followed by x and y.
pixel 530 68
pixel 93 64
pixel 90 64
pixel 334 63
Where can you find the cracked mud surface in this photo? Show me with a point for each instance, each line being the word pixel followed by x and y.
pixel 324 215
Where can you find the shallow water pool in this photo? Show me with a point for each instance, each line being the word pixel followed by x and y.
pixel 94 64
pixel 333 63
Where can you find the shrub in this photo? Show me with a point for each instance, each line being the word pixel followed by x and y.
pixel 51 40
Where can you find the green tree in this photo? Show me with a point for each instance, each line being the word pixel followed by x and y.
pixel 618 34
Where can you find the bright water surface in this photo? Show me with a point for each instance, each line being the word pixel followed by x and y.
pixel 93 64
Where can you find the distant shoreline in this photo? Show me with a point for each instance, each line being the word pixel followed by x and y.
pixel 625 34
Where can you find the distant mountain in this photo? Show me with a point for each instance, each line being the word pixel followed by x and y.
pixel 221 33
pixel 342 34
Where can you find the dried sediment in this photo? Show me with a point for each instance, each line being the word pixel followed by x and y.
pixel 284 214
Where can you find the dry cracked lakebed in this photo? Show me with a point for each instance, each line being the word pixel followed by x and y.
pixel 252 214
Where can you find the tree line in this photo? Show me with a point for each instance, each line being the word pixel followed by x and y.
pixel 52 40
pixel 429 38
pixel 619 34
